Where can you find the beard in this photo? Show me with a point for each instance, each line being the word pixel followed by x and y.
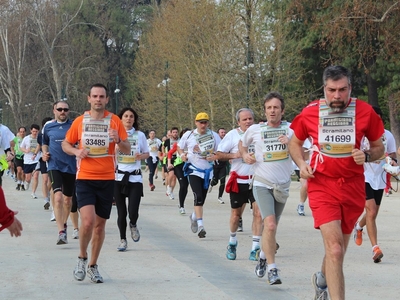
pixel 337 106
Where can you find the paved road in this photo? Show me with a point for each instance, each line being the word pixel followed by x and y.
pixel 170 262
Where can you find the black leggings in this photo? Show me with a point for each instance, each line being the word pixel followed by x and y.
pixel 183 184
pixel 199 192
pixel 152 168
pixel 134 197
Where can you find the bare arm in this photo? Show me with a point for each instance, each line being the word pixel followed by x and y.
pixel 296 151
pixel 248 158
pixel 376 152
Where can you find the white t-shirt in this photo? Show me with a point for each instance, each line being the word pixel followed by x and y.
pixel 29 143
pixel 373 171
pixel 229 144
pixel 6 136
pixel 153 148
pixel 195 145
pixel 141 147
pixel 278 172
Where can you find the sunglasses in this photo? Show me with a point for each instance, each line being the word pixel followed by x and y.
pixel 60 109
pixel 203 122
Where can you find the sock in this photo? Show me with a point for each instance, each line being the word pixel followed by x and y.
pixel 256 242
pixel 358 227
pixel 271 266
pixel 200 222
pixel 262 255
pixel 168 189
pixel 373 248
pixel 232 238
pixel 193 216
pixel 321 281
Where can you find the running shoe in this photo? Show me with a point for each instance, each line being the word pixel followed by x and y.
pixel 18 188
pixel 122 246
pixel 134 233
pixel 27 185
pixel 231 251
pixel 240 226
pixel 53 217
pixel 75 234
pixel 377 254
pixel 171 196
pixel 94 274
pixel 357 235
pixel 300 210
pixel 320 293
pixel 220 200
pixel 202 232
pixel 33 195
pixel 261 268
pixel 22 188
pixel 273 277
pixel 152 187
pixel 62 238
pixel 182 210
pixel 46 206
pixel 156 177
pixel 80 269
pixel 193 225
pixel 254 254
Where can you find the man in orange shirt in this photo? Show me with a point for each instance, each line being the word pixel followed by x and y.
pixel 97 132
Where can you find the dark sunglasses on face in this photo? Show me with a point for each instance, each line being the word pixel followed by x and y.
pixel 203 122
pixel 60 109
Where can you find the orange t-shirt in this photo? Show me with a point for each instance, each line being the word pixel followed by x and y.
pixel 96 168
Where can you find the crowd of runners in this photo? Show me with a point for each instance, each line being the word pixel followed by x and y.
pixel 343 156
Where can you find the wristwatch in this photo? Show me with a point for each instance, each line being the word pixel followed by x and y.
pixel 367 156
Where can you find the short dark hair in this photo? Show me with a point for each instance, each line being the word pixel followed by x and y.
pixel 273 95
pixel 98 85
pixel 136 122
pixel 174 128
pixel 335 73
pixel 35 126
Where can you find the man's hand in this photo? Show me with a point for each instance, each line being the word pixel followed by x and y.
pixel 16 227
pixel 358 156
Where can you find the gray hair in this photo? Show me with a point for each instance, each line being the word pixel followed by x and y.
pixel 243 109
pixel 335 73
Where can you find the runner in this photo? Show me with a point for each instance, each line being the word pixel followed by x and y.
pixel 201 144
pixel 97 132
pixel 128 179
pixel 152 161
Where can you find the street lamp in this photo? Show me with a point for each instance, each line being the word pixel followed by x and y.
pixel 116 92
pixel 165 83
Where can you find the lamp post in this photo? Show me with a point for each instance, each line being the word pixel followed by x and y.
pixel 165 83
pixel 63 95
pixel 117 91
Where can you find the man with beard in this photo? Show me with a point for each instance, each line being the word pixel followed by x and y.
pixel 336 188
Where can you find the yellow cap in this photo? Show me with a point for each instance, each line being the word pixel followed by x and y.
pixel 202 117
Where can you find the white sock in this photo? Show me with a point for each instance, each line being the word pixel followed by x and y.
pixel 232 238
pixel 193 216
pixel 262 255
pixel 256 242
pixel 200 222
pixel 271 266
pixel 358 227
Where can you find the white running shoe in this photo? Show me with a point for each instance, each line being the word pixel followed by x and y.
pixel 53 217
pixel 220 200
pixel 75 234
pixel 27 185
pixel 33 195
pixel 182 210
pixel 171 196
pixel 392 170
